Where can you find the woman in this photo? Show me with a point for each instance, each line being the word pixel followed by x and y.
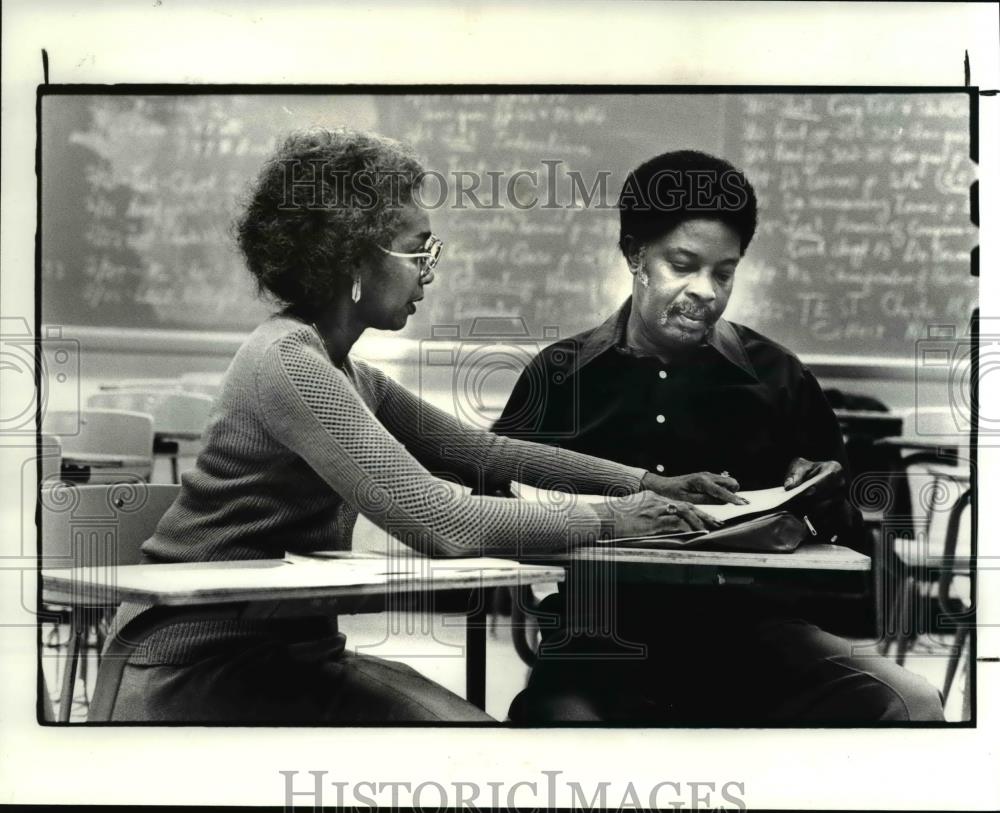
pixel 304 437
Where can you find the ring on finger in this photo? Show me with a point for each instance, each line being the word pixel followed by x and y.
pixel 671 509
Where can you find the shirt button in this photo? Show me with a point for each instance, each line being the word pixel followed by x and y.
pixel 663 373
pixel 659 467
pixel 660 419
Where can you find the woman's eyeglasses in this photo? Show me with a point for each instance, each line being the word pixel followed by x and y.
pixel 428 258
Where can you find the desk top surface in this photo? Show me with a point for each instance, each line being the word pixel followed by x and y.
pixel 929 443
pixel 176 434
pixel 806 557
pixel 102 460
pixel 346 576
pixel 877 414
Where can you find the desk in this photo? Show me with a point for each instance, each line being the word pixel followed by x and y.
pixel 77 466
pixel 174 435
pixel 920 443
pixel 165 384
pixel 805 557
pixel 99 460
pixel 809 563
pixel 673 566
pixel 869 424
pixel 253 588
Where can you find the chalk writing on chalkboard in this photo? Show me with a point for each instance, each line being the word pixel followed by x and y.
pixel 146 234
pixel 863 241
pixel 865 233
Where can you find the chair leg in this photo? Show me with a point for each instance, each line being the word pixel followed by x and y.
pixel 967 698
pixel 523 634
pixel 892 623
pixel 878 586
pixel 960 637
pixel 102 632
pixel 84 658
pixel 904 629
pixel 48 712
pixel 85 668
pixel 69 670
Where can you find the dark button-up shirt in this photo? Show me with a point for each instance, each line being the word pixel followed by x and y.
pixel 739 403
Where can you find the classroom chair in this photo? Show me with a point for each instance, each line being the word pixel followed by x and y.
pixel 930 550
pixel 112 444
pixel 926 483
pixel 178 417
pixel 204 383
pixel 919 545
pixel 943 466
pixel 51 458
pixel 94 527
pixel 934 592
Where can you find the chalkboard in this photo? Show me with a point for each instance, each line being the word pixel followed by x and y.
pixel 865 233
pixel 863 241
pixel 138 198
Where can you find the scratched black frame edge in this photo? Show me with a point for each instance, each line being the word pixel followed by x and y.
pixel 218 89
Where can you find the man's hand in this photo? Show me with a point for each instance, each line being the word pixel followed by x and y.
pixel 701 488
pixel 831 475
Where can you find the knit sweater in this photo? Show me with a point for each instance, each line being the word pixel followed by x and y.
pixel 297 446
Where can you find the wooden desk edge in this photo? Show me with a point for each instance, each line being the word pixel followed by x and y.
pixel 856 562
pixel 170 434
pixel 60 587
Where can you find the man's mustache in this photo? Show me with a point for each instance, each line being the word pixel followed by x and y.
pixel 690 311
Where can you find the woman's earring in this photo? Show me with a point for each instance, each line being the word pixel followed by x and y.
pixel 356 290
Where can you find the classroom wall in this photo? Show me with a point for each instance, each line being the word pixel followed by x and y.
pixel 899 388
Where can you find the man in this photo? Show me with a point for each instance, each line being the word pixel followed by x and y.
pixel 668 385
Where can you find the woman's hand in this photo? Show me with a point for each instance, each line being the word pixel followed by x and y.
pixel 649 514
pixel 702 487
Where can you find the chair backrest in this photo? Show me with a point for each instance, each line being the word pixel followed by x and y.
pixel 100 525
pixel 51 448
pixel 936 424
pixel 146 384
pixel 172 411
pixel 108 432
pixel 204 383
pixel 935 486
pixel 130 400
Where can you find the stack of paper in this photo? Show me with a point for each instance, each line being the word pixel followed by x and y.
pixel 761 501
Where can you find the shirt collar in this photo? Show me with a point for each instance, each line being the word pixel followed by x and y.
pixel 723 338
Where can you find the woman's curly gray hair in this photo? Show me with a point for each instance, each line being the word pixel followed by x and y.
pixel 321 205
